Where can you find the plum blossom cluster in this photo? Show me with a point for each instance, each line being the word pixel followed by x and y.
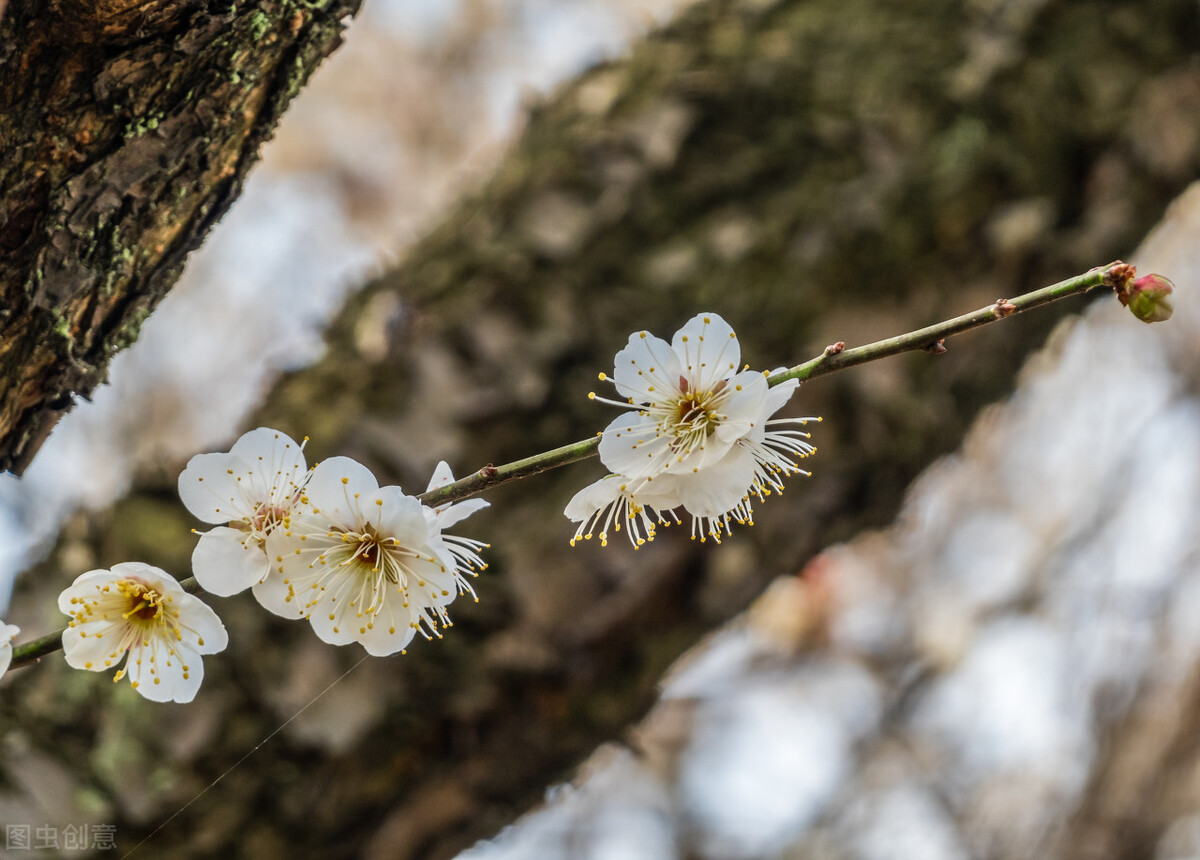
pixel 328 545
pixel 697 433
pixel 360 562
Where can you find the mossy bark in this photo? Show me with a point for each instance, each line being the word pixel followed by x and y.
pixel 126 130
pixel 814 171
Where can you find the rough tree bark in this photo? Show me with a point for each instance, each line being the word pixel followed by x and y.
pixel 814 171
pixel 126 130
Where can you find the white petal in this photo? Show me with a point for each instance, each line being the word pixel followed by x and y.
pixel 458 512
pixel 83 649
pixel 211 490
pixel 441 476
pixel 334 622
pixel 745 408
pixel 272 594
pixel 436 584
pixel 594 497
pixel 708 349
pixel 84 587
pixel 400 516
pixel 333 486
pixel 147 574
pixel 223 565
pixel 647 369
pixel 630 446
pixel 7 633
pixel 277 465
pixel 390 631
pixel 202 627
pixel 162 674
pixel 779 395
pixel 718 488
pixel 270 451
pixel 440 550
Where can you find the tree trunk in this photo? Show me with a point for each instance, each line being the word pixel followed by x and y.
pixel 126 130
pixel 814 171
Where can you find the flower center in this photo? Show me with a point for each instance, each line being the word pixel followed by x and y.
pixel 145 603
pixel 266 517
pixel 368 550
pixel 695 416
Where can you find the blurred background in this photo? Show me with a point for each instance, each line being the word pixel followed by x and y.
pixel 997 660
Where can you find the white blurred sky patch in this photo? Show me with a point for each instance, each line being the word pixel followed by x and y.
pixel 620 812
pixel 414 107
pixel 769 753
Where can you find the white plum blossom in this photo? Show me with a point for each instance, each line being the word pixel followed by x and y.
pixel 689 403
pixel 362 563
pixel 698 434
pixel 7 633
pixel 141 613
pixel 253 489
pixel 464 551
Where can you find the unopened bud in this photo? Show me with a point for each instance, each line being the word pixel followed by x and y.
pixel 1151 298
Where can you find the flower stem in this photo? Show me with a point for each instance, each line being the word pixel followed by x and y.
pixel 835 357
pixel 29 652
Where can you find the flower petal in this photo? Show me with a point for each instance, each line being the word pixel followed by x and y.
pixel 273 595
pixel 399 516
pixel 779 395
pixel 745 407
pixel 148 574
pixel 163 674
pixel 383 639
pixel 456 513
pixel 211 490
pixel 203 630
pixel 719 487
pixel 334 620
pixel 84 586
pixel 334 485
pixel 7 633
pixel 276 460
pixel 631 446
pixel 441 476
pixel 708 350
pixel 647 369
pixel 85 649
pixel 224 563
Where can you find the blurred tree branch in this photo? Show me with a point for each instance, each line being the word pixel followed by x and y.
pixel 126 130
pixel 814 171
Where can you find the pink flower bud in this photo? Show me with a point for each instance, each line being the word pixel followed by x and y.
pixel 1151 298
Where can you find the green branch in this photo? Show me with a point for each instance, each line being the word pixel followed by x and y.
pixel 931 339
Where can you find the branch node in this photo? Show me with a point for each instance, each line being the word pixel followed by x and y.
pixel 937 347
pixel 1118 275
pixel 1004 308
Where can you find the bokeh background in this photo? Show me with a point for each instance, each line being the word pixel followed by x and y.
pixel 996 662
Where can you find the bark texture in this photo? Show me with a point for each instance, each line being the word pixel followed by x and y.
pixel 814 171
pixel 126 130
